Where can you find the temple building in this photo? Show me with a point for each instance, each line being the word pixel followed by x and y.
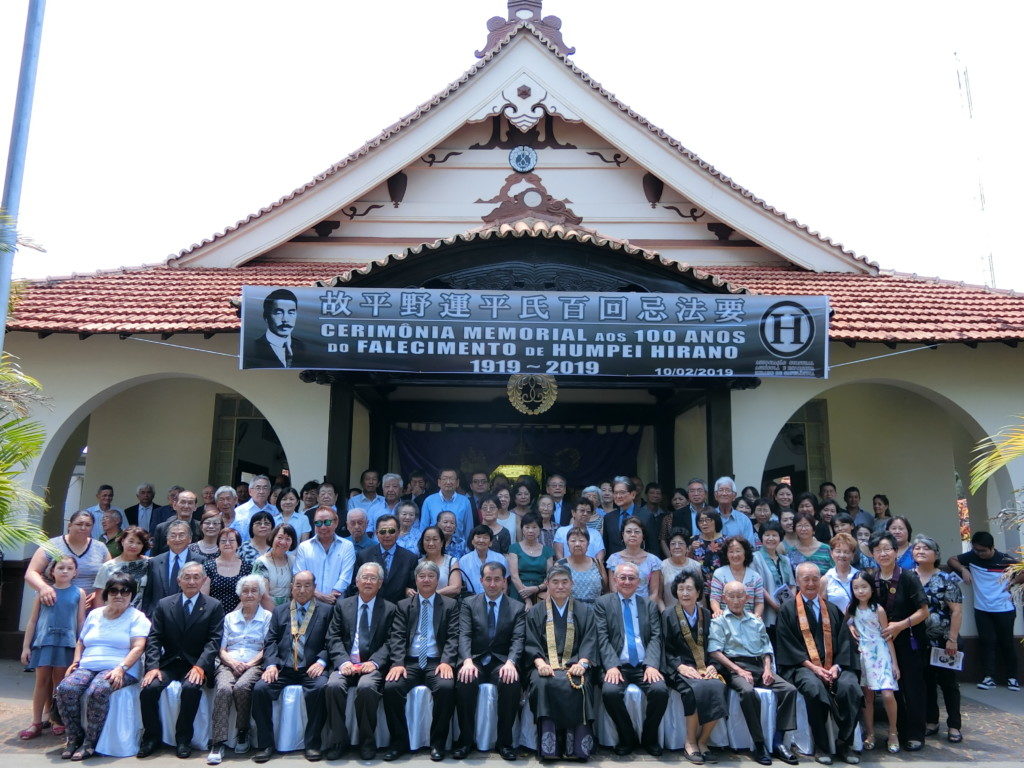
pixel 141 364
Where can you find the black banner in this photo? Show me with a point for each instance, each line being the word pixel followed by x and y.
pixel 558 333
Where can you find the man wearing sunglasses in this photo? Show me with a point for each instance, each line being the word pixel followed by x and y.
pixel 330 558
pixel 398 562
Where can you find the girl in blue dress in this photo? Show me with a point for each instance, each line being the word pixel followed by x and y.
pixel 50 639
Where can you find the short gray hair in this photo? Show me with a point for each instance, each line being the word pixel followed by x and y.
pixel 374 566
pixel 143 486
pixel 725 481
pixel 392 476
pixel 226 489
pixel 929 542
pixel 559 570
pixel 427 565
pixel 252 578
pixel 355 511
pixel 176 523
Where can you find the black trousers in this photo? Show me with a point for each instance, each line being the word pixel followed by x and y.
pixel 750 703
pixel 995 638
pixel 614 697
pixel 369 690
pixel 397 692
pixel 265 694
pixel 466 697
pixel 149 699
pixel 843 702
pixel 934 679
pixel 910 698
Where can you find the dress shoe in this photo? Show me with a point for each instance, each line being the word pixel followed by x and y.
pixel 694 757
pixel 146 748
pixel 507 753
pixel 849 756
pixel 313 755
pixel 368 752
pixel 183 750
pixel 622 750
pixel 761 754
pixel 654 750
pixel 460 753
pixel 823 758
pixel 334 752
pixel 436 754
pixel 782 752
pixel 263 755
pixel 393 754
pixel 913 745
pixel 242 743
pixel 709 756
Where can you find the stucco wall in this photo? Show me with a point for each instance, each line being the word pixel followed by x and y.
pixel 159 432
pixel 691 445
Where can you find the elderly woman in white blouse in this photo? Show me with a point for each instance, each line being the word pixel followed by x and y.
pixel 241 656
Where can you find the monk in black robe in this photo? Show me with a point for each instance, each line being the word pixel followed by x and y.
pixel 561 692
pixel 824 672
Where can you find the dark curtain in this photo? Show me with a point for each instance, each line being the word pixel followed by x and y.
pixel 584 456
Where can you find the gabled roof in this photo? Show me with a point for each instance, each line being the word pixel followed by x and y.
pixel 527 28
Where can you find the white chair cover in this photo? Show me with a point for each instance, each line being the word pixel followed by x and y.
pixel 673 726
pixel 801 739
pixel 527 727
pixel 733 731
pixel 122 730
pixel 290 719
pixel 170 703
pixel 419 709
pixel 636 706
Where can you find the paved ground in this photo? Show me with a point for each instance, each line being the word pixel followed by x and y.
pixel 993 735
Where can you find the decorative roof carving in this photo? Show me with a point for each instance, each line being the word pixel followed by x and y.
pixel 528 11
pixel 524 103
pixel 532 201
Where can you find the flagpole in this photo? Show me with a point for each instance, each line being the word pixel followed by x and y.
pixel 11 201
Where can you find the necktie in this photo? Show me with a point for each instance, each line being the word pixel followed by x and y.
pixel 424 627
pixel 364 632
pixel 188 606
pixel 175 567
pixel 387 563
pixel 492 619
pixel 288 353
pixel 627 619
pixel 302 614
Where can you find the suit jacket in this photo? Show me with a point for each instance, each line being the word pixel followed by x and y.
pixel 611 632
pixel 613 531
pixel 342 632
pixel 400 577
pixel 407 621
pixel 156 517
pixel 277 649
pixel 179 638
pixel 160 536
pixel 259 354
pixel 159 585
pixel 509 634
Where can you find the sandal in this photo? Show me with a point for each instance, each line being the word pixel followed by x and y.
pixel 894 746
pixel 868 742
pixel 83 753
pixel 954 738
pixel 932 731
pixel 70 750
pixel 59 730
pixel 34 731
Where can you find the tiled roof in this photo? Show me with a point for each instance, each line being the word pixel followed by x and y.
pixel 884 308
pixel 380 139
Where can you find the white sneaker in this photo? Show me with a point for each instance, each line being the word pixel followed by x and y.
pixel 987 684
pixel 216 755
pixel 1013 684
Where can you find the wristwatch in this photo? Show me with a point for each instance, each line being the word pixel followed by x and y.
pixel 124 668
pixel 585 664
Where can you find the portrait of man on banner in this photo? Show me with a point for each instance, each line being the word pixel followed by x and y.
pixel 276 346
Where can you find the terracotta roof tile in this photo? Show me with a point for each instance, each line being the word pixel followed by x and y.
pixel 403 123
pixel 880 308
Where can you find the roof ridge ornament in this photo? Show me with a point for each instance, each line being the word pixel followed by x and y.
pixel 524 12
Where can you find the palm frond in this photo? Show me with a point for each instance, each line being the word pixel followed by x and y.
pixel 995 452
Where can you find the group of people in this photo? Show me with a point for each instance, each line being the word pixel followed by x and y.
pixel 567 601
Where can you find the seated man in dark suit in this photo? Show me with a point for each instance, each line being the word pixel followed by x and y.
pixel 492 634
pixel 184 641
pixel 295 653
pixel 358 645
pixel 164 569
pixel 184 508
pixel 629 646
pixel 398 562
pixel 424 648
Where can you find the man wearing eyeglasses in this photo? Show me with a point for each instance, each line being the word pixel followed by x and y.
pixel 330 558
pixel 629 644
pixel 398 562
pixel 358 646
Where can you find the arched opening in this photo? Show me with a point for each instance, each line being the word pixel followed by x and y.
pixel 896 438
pixel 164 430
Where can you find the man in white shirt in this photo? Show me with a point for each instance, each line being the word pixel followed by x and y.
pixel 104 499
pixel 259 495
pixel 330 558
pixel 369 500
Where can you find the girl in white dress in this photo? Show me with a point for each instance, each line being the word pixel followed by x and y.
pixel 879 670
